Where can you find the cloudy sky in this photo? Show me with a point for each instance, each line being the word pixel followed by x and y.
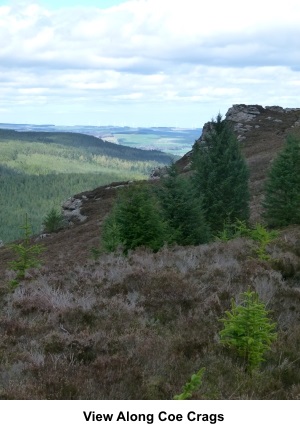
pixel 145 62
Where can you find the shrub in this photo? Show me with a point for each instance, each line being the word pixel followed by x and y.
pixel 232 230
pixel 191 386
pixel 264 238
pixel 259 233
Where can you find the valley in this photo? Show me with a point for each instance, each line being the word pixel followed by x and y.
pixel 39 170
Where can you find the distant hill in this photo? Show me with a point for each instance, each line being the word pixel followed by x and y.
pixel 173 140
pixel 39 170
pixel 84 141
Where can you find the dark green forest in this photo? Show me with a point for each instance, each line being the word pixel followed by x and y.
pixel 39 170
pixel 186 210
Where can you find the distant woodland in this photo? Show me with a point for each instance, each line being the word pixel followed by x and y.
pixel 39 170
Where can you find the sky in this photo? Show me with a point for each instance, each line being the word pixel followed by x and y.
pixel 145 62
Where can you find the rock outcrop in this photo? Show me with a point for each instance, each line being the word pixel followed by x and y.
pixel 246 117
pixel 71 210
pixel 78 208
pixel 262 132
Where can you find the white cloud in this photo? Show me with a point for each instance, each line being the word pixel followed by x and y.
pixel 149 51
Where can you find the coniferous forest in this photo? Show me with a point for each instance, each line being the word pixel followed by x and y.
pixel 40 170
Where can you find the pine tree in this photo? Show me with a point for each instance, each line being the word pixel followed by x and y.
pixel 111 235
pixel 53 221
pixel 27 255
pixel 135 221
pixel 248 329
pixel 221 176
pixel 182 209
pixel 191 386
pixel 282 197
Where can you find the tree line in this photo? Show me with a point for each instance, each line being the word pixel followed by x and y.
pixel 196 208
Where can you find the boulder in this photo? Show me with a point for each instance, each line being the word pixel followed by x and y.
pixel 243 113
pixel 71 210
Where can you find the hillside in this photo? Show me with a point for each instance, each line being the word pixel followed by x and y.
pixel 262 132
pixel 138 326
pixel 39 170
pixel 174 141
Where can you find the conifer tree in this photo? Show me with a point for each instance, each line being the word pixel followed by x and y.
pixel 282 197
pixel 248 329
pixel 221 176
pixel 135 221
pixel 182 209
pixel 53 221
pixel 27 255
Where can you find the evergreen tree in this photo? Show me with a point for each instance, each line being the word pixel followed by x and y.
pixel 282 198
pixel 221 176
pixel 135 221
pixel 182 209
pixel 53 221
pixel 111 234
pixel 27 255
pixel 248 330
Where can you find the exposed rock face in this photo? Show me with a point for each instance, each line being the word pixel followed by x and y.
pixel 243 113
pixel 71 210
pixel 246 117
pixel 77 209
pixel 159 172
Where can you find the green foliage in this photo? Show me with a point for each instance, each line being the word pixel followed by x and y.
pixel 264 237
pixel 232 230
pixel 135 221
pixel 191 386
pixel 53 221
pixel 221 176
pixel 182 210
pixel 38 171
pixel 282 196
pixel 112 236
pixel 26 255
pixel 259 233
pixel 248 330
pixel 73 145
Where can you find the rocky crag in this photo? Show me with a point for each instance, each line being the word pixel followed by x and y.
pixel 262 132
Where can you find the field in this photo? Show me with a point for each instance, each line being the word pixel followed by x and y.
pixel 171 141
pixel 175 141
